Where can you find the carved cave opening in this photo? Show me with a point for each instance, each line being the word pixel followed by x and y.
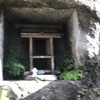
pixel 19 46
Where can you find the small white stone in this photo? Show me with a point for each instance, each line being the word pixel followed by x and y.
pixel 43 98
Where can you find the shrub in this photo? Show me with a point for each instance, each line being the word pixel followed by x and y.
pixel 71 75
pixel 69 70
pixel 13 66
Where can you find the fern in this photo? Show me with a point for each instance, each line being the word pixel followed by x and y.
pixel 14 67
pixel 71 75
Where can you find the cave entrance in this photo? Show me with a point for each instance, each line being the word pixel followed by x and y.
pixel 41 49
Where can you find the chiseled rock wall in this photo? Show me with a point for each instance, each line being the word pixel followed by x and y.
pixel 85 42
pixel 77 39
pixel 1 42
pixel 84 29
pixel 60 11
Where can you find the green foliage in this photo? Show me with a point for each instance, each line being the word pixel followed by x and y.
pixel 66 65
pixel 69 70
pixel 98 94
pixel 71 75
pixel 98 98
pixel 13 66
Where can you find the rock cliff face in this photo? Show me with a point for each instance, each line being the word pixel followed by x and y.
pixel 59 12
pixel 81 41
pixel 80 18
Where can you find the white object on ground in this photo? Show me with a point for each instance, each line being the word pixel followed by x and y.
pixel 41 77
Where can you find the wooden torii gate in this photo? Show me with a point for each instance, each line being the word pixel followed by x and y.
pixel 49 47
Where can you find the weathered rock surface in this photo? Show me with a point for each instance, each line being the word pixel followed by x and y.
pixel 60 12
pixel 20 89
pixel 47 90
pixel 42 90
pixel 84 28
pixel 93 5
pixel 57 90
pixel 1 41
pixel 86 38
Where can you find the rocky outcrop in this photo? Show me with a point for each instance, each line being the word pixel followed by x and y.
pixel 93 5
pixel 47 90
pixel 57 91
pixel 41 90
pixel 61 12
pixel 80 17
pixel 19 89
pixel 83 20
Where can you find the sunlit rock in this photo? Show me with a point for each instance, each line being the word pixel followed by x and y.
pixel 6 93
pixel 93 40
